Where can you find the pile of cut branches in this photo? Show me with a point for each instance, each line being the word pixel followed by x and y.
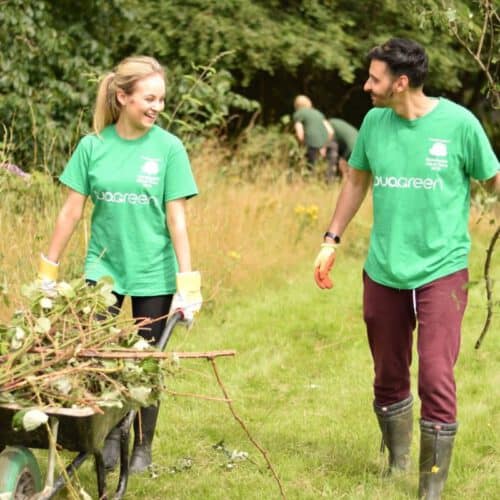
pixel 40 361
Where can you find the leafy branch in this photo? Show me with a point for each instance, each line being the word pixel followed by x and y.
pixel 485 54
pixel 204 100
pixel 480 40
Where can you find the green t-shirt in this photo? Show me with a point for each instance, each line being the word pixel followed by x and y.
pixel 315 133
pixel 421 190
pixel 130 182
pixel 345 134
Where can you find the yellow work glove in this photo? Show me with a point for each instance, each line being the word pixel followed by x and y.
pixel 47 275
pixel 187 299
pixel 323 264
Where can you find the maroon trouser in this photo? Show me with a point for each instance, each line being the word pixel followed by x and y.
pixel 391 315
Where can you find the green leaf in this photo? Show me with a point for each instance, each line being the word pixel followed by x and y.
pixel 141 394
pixel 42 325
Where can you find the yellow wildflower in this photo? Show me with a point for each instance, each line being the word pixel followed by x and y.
pixel 300 209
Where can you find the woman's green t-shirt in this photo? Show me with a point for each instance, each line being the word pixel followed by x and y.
pixel 130 182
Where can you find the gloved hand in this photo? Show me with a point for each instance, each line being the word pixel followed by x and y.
pixel 323 264
pixel 187 298
pixel 47 275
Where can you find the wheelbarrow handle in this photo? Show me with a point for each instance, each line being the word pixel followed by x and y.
pixel 169 328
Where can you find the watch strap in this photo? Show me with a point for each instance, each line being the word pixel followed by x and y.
pixel 333 236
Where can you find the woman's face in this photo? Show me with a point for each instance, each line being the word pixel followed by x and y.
pixel 141 108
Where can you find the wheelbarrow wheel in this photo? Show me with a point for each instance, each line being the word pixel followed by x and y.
pixel 19 473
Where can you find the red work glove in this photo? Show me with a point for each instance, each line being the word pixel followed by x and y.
pixel 323 264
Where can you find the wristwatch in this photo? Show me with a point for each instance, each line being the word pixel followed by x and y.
pixel 333 236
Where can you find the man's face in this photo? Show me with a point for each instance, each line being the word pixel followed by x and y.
pixel 381 84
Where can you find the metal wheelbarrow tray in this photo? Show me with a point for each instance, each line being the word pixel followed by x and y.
pixel 81 430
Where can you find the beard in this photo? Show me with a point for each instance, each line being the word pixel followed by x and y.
pixel 381 100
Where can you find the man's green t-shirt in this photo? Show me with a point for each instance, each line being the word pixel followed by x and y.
pixel 345 135
pixel 130 182
pixel 421 190
pixel 315 133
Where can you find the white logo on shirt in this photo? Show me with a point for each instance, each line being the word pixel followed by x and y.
pixel 438 149
pixel 128 198
pixel 407 182
pixel 437 156
pixel 150 167
pixel 148 176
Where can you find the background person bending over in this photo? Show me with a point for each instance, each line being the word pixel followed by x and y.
pixel 345 135
pixel 138 177
pixel 311 129
pixel 419 154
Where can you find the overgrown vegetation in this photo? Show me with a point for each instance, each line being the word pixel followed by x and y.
pixel 53 351
pixel 301 379
pixel 476 30
pixel 53 52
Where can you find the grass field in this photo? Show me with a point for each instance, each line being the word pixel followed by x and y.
pixel 302 383
pixel 301 379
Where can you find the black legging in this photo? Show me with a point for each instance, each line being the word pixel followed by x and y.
pixel 149 307
pixel 145 307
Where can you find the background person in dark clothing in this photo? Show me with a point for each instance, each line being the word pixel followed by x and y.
pixel 345 135
pixel 311 129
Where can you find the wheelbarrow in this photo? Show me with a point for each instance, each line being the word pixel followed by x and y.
pixel 81 430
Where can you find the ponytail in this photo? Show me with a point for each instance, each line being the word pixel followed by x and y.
pixel 107 108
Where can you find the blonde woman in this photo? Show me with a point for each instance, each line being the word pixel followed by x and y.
pixel 139 178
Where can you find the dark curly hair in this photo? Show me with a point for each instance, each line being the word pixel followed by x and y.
pixel 403 57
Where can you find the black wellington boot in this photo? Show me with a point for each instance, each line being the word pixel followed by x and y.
pixel 436 446
pixel 396 424
pixel 111 450
pixel 141 454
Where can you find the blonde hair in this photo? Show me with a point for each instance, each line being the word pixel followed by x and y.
pixel 125 76
pixel 302 101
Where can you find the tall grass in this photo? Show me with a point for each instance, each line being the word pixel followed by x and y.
pixel 301 380
pixel 240 232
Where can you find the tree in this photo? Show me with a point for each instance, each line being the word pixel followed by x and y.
pixel 52 53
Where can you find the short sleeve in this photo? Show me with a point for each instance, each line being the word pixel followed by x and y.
pixel 75 174
pixel 179 179
pixel 359 158
pixel 481 162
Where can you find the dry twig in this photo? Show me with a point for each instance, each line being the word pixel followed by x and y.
pixel 489 288
pixel 245 428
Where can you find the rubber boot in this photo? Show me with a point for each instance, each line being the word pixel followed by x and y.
pixel 436 446
pixel 111 450
pixel 396 424
pixel 141 454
